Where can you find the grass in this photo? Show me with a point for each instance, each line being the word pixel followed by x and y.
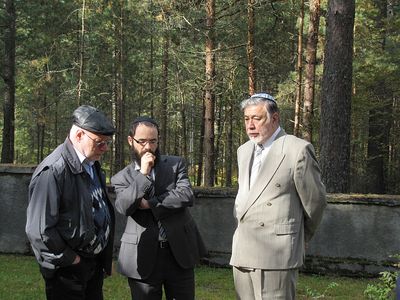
pixel 20 280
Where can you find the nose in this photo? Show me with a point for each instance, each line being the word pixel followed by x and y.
pixel 250 124
pixel 147 146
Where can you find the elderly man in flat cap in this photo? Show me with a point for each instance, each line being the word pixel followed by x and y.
pixel 70 220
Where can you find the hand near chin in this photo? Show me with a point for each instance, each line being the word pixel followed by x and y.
pixel 146 163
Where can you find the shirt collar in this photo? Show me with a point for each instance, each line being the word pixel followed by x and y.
pixel 269 142
pixel 82 158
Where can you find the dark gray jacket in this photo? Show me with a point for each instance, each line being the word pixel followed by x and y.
pixel 169 198
pixel 59 215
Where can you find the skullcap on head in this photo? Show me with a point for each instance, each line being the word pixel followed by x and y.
pixel 264 95
pixel 144 119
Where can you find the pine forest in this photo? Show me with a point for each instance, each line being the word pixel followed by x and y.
pixel 332 65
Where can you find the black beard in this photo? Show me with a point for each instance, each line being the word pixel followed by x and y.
pixel 138 158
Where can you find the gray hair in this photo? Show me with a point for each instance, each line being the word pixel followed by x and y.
pixel 261 98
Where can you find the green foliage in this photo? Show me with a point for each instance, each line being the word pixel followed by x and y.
pixel 317 295
pixel 50 44
pixel 383 289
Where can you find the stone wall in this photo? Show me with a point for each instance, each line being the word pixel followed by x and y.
pixel 14 181
pixel 357 236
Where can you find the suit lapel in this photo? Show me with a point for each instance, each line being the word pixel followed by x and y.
pixel 158 170
pixel 268 169
pixel 247 151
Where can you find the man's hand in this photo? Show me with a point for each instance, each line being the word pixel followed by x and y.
pixel 77 260
pixel 146 163
pixel 144 204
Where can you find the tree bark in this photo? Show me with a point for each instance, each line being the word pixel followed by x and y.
pixel 151 59
pixel 309 74
pixel 119 99
pixel 251 68
pixel 81 54
pixel 201 146
pixel 299 67
pixel 7 150
pixel 209 115
pixel 380 117
pixel 336 96
pixel 164 95
pixel 229 146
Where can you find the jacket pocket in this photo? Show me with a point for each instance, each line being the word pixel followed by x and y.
pixel 287 228
pixel 130 238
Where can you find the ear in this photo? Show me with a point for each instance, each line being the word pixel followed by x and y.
pixel 79 134
pixel 130 140
pixel 275 117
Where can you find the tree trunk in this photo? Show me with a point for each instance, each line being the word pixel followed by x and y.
pixel 229 147
pixel 209 97
pixel 81 54
pixel 218 156
pixel 7 151
pixel 336 96
pixel 119 113
pixel 297 113
pixel 251 69
pixel 164 95
pixel 311 62
pixel 380 118
pixel 151 63
pixel 183 130
pixel 201 146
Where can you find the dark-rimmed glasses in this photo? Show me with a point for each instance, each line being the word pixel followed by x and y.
pixel 145 142
pixel 101 143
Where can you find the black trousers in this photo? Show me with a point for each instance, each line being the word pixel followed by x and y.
pixel 83 281
pixel 178 283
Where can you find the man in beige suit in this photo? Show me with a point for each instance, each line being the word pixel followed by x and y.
pixel 278 206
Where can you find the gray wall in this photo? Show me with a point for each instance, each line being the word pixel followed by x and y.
pixel 357 236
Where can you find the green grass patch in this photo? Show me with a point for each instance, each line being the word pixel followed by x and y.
pixel 20 280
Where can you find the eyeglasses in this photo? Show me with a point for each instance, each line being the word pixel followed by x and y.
pixel 99 144
pixel 145 142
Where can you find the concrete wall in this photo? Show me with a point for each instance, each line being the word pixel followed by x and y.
pixel 357 236
pixel 14 183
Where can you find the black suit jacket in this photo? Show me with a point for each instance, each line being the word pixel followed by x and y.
pixel 169 197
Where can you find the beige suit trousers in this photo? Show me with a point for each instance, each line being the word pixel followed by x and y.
pixel 257 284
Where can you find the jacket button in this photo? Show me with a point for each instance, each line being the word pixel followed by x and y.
pixel 278 185
pixel 269 203
pixel 261 224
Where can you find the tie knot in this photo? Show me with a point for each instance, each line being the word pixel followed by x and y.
pixel 89 168
pixel 259 149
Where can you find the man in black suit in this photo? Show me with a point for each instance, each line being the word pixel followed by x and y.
pixel 161 243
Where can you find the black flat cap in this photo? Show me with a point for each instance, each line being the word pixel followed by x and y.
pixel 90 118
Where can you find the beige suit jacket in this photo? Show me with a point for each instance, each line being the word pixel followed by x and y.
pixel 281 210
